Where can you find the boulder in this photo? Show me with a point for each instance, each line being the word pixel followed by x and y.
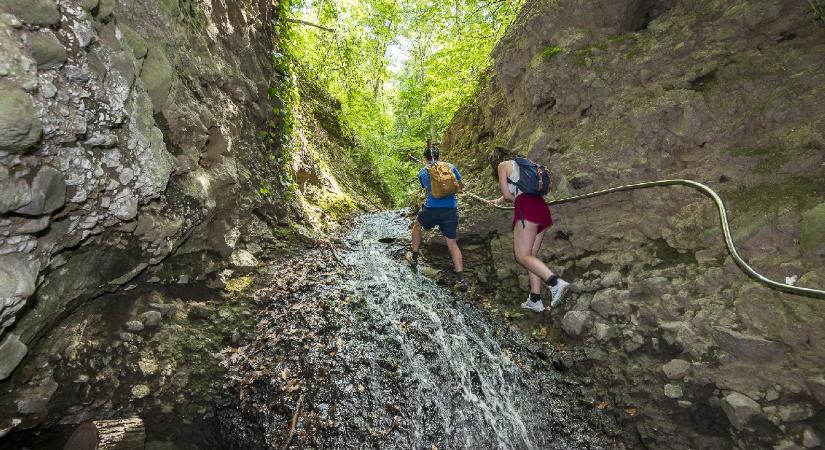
pixel 739 409
pixel 151 318
pixel 20 128
pixel 134 40
pixel 748 348
pixel 105 8
pixel 812 229
pixel 810 439
pixel 12 352
pixel 48 192
pixel 576 323
pixel 14 193
pixel 35 400
pixel 35 12
pixel 243 259
pixel 611 303
pixel 157 76
pixel 89 5
pixel 676 369
pixel 47 50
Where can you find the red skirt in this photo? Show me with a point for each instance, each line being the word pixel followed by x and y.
pixel 533 209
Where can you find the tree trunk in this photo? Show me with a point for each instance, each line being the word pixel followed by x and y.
pixel 111 434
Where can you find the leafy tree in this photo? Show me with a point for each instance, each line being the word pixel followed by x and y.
pixel 345 46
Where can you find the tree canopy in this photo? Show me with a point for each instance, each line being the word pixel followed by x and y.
pixel 400 68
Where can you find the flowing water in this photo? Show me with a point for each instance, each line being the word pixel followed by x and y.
pixel 414 365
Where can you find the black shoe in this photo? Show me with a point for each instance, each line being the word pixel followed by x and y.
pixel 461 285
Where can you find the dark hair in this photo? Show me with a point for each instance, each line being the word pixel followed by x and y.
pixel 496 156
pixel 431 153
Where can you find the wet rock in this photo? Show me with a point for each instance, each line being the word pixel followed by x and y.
pixel 134 326
pixel 12 352
pixel 151 318
pixel 157 76
pixel 673 391
pixel 48 192
pixel 35 400
pixel 20 128
pixel 17 282
pixel 739 409
pixel 47 50
pixel 812 229
pixel 749 348
pixel 35 12
pixel 676 369
pixel 810 439
pixel 576 323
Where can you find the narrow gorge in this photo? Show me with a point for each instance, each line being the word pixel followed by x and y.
pixel 197 235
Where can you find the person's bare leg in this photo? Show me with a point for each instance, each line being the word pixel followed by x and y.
pixel 523 240
pixel 535 282
pixel 416 236
pixel 455 253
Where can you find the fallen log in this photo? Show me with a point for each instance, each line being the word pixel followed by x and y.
pixel 126 433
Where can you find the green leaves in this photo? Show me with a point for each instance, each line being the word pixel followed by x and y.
pixel 399 68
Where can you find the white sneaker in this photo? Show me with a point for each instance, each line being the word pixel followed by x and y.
pixel 533 306
pixel 558 292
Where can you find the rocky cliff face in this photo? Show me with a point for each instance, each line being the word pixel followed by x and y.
pixel 691 351
pixel 146 138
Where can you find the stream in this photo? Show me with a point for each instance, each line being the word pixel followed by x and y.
pixel 356 350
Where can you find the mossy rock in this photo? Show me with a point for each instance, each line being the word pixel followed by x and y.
pixel 157 76
pixel 47 51
pixel 34 12
pixel 812 231
pixel 20 128
pixel 134 40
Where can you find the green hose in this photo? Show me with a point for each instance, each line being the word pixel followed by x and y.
pixel 723 220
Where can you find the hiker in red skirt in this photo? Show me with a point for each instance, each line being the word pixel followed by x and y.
pixel 525 183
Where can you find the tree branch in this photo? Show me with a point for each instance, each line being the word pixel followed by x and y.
pixel 310 24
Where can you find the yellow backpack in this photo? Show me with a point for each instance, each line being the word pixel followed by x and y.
pixel 443 181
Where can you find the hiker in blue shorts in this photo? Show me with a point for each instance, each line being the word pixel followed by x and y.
pixel 442 181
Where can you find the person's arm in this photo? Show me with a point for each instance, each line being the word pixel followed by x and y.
pixel 458 177
pixel 503 173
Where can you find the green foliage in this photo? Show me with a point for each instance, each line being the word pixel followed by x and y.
pixel 550 51
pixel 390 107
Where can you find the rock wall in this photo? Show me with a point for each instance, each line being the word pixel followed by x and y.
pixel 727 93
pixel 139 132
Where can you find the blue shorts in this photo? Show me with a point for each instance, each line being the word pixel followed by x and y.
pixel 445 218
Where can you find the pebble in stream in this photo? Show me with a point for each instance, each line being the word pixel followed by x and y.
pixel 357 351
